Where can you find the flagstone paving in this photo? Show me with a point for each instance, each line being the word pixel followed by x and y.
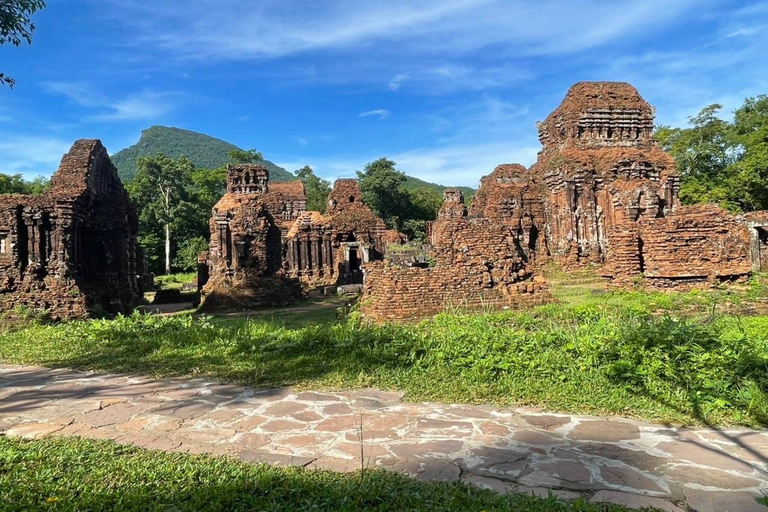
pixel 633 463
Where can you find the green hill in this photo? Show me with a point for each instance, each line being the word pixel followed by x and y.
pixel 413 183
pixel 209 153
pixel 205 152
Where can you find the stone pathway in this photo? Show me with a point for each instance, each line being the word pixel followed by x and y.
pixel 509 450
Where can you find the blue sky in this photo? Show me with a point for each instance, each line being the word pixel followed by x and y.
pixel 448 89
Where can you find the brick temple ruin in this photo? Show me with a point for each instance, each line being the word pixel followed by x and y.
pixel 71 252
pixel 266 248
pixel 602 192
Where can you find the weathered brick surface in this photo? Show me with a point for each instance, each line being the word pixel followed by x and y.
pixel 477 264
pixel 694 245
pixel 330 249
pixel 265 247
pixel 244 264
pixel 601 166
pixel 72 251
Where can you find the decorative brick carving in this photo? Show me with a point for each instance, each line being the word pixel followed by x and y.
pixel 72 252
pixel 330 249
pixel 265 247
pixel 244 264
pixel 601 166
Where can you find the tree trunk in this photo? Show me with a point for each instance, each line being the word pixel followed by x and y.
pixel 167 249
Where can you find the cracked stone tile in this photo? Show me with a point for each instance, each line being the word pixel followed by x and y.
pixel 634 501
pixel 604 431
pixel 717 501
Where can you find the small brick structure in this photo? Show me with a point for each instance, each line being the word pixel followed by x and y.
pixel 71 252
pixel 243 267
pixel 327 249
pixel 266 249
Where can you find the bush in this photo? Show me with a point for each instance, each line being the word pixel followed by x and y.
pixel 186 255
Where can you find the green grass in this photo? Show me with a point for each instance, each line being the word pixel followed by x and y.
pixel 72 474
pixel 661 357
pixel 175 280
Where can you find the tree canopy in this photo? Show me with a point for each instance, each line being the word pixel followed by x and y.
pixel 160 192
pixel 720 161
pixel 385 191
pixel 16 25
pixel 316 188
pixel 16 184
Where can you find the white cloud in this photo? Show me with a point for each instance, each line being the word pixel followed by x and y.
pixel 397 81
pixel 380 113
pixel 233 29
pixel 146 104
pixel 31 155
pixel 446 165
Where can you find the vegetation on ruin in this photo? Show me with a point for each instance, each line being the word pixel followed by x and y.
pixel 689 358
pixel 720 161
pixel 69 474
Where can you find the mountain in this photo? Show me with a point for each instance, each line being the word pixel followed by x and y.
pixel 209 153
pixel 205 152
pixel 412 183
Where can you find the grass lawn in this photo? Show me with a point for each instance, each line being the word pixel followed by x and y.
pixel 72 474
pixel 685 358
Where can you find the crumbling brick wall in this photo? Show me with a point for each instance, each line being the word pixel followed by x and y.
pixel 478 263
pixel 510 195
pixel 71 252
pixel 695 245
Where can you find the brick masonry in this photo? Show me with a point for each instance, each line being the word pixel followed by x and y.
pixel 601 192
pixel 71 252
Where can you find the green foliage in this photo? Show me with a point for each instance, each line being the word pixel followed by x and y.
pixel 720 161
pixel 16 25
pixel 317 189
pixel 189 249
pixel 159 191
pixel 204 151
pixel 633 354
pixel 381 186
pixel 394 197
pixel 74 474
pixel 16 184
pixel 412 183
pixel 240 156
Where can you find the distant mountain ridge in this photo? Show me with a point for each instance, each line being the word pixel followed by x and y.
pixel 206 152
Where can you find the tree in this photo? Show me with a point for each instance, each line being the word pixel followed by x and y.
pixel 382 188
pixel 16 25
pixel 750 139
pixel 317 189
pixel 239 156
pixel 186 255
pixel 703 154
pixel 720 161
pixel 422 207
pixel 16 184
pixel 159 191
